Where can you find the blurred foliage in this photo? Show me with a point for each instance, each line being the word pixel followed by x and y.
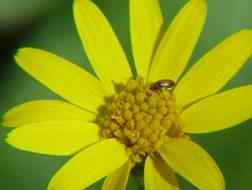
pixel 53 29
pixel 15 13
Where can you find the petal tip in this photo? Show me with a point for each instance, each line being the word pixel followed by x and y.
pixel 17 53
pixel 20 53
pixel 4 120
pixel 9 140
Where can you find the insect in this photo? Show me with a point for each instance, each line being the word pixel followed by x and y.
pixel 163 84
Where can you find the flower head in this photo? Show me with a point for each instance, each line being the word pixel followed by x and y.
pixel 114 122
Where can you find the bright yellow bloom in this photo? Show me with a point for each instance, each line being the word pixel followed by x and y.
pixel 117 121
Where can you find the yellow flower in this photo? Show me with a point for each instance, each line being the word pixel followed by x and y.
pixel 117 121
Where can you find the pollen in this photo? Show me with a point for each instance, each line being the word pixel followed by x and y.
pixel 141 118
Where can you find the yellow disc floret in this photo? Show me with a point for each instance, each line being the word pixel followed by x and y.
pixel 140 118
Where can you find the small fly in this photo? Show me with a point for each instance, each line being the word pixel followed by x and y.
pixel 163 84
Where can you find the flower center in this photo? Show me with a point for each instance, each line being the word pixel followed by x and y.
pixel 141 117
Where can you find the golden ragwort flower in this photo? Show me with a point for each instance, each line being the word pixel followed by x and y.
pixel 115 121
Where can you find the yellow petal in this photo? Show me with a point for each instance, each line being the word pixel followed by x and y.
pixel 179 41
pixel 118 179
pixel 158 176
pixel 145 24
pixel 64 78
pixel 101 44
pixel 44 110
pixel 219 112
pixel 54 138
pixel 89 166
pixel 193 163
pixel 215 69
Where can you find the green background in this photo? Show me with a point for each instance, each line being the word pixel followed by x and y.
pixel 50 26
